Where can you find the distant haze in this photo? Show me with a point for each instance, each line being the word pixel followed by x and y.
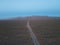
pixel 32 18
pixel 15 8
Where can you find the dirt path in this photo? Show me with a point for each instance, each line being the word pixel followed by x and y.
pixel 34 39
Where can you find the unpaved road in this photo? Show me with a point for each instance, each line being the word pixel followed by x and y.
pixel 34 39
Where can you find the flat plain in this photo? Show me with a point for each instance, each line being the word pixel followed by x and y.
pixel 47 31
pixel 14 32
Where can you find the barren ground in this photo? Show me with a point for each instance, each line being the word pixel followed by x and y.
pixel 14 32
pixel 47 31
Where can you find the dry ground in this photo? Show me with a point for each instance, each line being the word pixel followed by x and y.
pixel 14 32
pixel 47 31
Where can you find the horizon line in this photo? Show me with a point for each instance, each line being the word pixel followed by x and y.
pixel 26 16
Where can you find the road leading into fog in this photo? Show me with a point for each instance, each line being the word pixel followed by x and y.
pixel 34 39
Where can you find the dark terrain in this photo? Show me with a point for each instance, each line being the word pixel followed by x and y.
pixel 47 30
pixel 14 32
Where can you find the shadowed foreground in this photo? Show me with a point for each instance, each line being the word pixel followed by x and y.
pixel 47 31
pixel 14 32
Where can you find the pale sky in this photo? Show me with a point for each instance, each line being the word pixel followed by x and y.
pixel 11 8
